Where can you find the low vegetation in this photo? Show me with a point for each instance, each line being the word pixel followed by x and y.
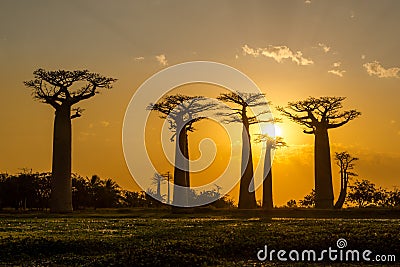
pixel 156 237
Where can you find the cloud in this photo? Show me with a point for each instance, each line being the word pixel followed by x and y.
pixel 337 72
pixel 236 56
pixel 324 47
pixel 337 64
pixel 362 56
pixel 307 2
pixel 139 58
pixel 162 60
pixel 250 51
pixel 352 14
pixel 278 53
pixel 375 68
pixel 105 123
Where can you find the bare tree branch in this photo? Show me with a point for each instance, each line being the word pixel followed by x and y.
pixel 315 112
pixel 55 87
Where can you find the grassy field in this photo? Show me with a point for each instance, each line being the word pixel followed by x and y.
pixel 159 238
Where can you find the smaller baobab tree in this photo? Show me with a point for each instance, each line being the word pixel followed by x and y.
pixel 181 112
pixel 158 179
pixel 240 114
pixel 270 144
pixel 346 163
pixel 319 115
pixel 63 89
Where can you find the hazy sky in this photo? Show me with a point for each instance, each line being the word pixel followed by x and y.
pixel 291 49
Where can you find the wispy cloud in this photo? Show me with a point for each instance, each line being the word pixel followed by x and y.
pixel 139 58
pixel 162 60
pixel 363 56
pixel 324 47
pixel 375 68
pixel 250 51
pixel 307 2
pixel 105 123
pixel 337 72
pixel 278 53
pixel 337 64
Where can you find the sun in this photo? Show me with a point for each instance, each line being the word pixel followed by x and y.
pixel 278 131
pixel 272 130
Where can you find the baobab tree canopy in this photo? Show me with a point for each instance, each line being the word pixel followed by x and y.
pixel 319 112
pixel 62 89
pixel 319 115
pixel 182 110
pixel 242 102
pixel 54 87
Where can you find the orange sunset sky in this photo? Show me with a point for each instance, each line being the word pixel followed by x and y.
pixel 290 49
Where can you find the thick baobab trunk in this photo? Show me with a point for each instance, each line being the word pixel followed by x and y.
pixel 61 184
pixel 267 202
pixel 181 176
pixel 247 200
pixel 323 172
pixel 186 160
pixel 343 192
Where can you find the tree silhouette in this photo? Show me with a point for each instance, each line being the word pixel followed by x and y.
pixel 167 177
pixel 362 193
pixel 345 161
pixel 271 143
pixel 309 200
pixel 157 179
pixel 319 115
pixel 181 112
pixel 56 88
pixel 242 101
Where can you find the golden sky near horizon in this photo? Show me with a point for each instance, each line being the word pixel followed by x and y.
pixel 290 49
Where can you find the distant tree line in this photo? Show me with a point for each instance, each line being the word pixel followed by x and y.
pixel 362 193
pixel 31 191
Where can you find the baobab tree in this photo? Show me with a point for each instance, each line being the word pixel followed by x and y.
pixel 346 163
pixel 270 144
pixel 181 112
pixel 158 179
pixel 62 89
pixel 319 115
pixel 239 114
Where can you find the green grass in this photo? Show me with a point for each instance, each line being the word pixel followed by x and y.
pixel 157 237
